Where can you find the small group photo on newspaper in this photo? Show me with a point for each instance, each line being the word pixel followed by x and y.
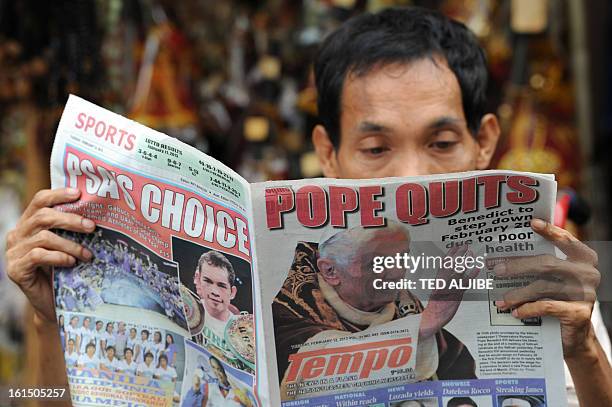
pixel 404 253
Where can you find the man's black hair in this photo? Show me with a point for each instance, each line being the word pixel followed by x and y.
pixel 398 35
pixel 217 259
pixel 461 401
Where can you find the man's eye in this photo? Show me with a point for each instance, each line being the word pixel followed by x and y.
pixel 443 145
pixel 375 150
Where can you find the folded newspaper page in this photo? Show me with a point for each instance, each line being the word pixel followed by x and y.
pixel 207 291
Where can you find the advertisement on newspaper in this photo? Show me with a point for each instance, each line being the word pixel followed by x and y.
pixel 164 310
pixel 383 291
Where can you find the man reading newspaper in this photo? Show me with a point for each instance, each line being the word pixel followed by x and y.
pixel 400 93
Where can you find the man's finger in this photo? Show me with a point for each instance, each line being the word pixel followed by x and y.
pixel 544 265
pixel 545 289
pixel 573 248
pixel 451 252
pixel 21 270
pixel 49 218
pixel 461 251
pixel 39 257
pixel 51 241
pixel 50 197
pixel 558 309
pixel 473 273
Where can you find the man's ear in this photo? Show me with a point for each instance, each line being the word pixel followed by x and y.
pixel 328 271
pixel 233 293
pixel 325 151
pixel 487 138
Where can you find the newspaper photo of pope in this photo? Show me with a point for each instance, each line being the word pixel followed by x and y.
pixel 329 294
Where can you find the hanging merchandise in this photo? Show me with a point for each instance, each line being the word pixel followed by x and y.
pixel 309 165
pixel 529 16
pixel 475 14
pixel 162 98
pixel 256 128
pixel 235 90
pixel 121 36
pixel 537 113
pixel 537 144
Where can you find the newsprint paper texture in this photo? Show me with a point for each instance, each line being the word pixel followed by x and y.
pixel 207 290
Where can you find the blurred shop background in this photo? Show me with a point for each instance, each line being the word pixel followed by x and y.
pixel 234 79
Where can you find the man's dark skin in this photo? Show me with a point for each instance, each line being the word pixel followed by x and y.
pixel 399 119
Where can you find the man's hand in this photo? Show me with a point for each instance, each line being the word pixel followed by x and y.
pixel 443 303
pixel 565 289
pixel 32 249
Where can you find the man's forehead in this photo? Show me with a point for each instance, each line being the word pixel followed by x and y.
pixel 425 87
pixel 212 272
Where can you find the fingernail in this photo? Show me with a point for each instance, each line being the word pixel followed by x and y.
pixel 538 224
pixel 87 254
pixel 72 191
pixel 500 269
pixel 500 304
pixel 515 313
pixel 88 223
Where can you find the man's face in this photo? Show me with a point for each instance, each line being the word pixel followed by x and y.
pixel 218 371
pixel 215 289
pixel 86 323
pixel 405 120
pixel 99 325
pixel 196 382
pixel 355 283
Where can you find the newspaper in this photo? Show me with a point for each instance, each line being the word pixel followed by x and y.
pixel 205 290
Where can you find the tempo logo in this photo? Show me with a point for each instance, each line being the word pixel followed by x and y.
pixel 360 359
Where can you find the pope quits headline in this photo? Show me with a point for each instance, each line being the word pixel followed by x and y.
pixel 316 206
